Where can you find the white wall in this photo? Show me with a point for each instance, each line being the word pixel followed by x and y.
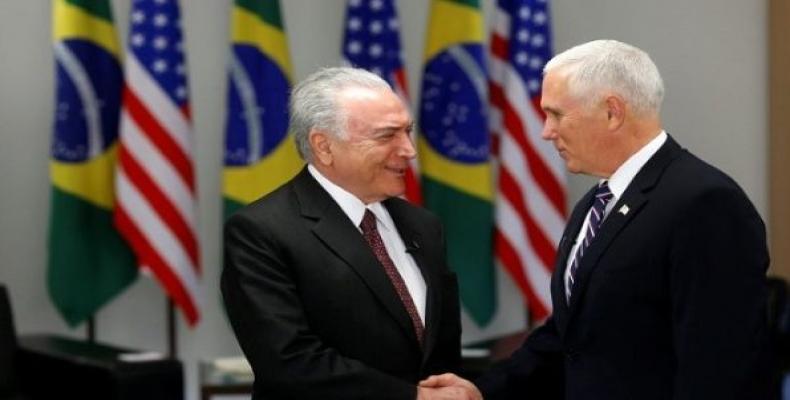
pixel 713 57
pixel 712 54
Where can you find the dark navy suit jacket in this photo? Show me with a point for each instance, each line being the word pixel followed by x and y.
pixel 669 300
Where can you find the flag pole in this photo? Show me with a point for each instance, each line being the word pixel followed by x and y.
pixel 171 329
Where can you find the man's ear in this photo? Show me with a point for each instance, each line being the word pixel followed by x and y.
pixel 616 110
pixel 321 144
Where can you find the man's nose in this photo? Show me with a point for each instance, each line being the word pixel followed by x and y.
pixel 406 146
pixel 548 132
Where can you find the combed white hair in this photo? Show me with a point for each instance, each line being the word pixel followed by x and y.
pixel 608 65
pixel 314 103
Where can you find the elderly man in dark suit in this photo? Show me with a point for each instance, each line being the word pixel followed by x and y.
pixel 659 288
pixel 335 287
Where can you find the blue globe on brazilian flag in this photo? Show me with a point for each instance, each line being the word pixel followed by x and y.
pixel 259 156
pixel 453 107
pixel 454 148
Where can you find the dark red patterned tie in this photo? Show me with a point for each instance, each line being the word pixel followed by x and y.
pixel 371 234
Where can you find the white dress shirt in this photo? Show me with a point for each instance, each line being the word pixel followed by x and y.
pixel 354 208
pixel 618 182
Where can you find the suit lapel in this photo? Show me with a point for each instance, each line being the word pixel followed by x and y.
pixel 635 197
pixel 334 228
pixel 613 224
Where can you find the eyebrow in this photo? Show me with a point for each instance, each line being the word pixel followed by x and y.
pixel 551 110
pixel 392 128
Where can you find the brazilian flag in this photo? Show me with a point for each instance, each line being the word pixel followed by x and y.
pixel 259 156
pixel 88 261
pixel 454 148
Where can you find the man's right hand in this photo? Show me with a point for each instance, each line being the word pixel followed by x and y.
pixel 447 387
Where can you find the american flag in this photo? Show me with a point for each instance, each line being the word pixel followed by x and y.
pixel 155 181
pixel 372 41
pixel 530 201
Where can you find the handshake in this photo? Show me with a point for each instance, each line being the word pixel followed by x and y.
pixel 447 387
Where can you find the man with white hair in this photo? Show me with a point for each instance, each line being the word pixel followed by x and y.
pixel 659 286
pixel 335 287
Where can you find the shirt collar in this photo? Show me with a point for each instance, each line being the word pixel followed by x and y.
pixel 352 206
pixel 623 176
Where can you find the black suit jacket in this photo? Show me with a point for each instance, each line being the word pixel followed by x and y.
pixel 314 311
pixel 669 301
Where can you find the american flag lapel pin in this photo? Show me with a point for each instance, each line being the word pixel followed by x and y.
pixel 624 209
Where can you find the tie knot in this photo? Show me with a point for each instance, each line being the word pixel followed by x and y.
pixel 368 223
pixel 603 193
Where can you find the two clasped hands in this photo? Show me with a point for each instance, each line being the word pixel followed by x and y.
pixel 447 387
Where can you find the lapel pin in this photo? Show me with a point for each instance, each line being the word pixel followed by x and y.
pixel 624 209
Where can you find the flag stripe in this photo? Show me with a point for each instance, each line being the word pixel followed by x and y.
pixel 507 256
pixel 501 26
pixel 534 162
pixel 170 215
pixel 171 281
pixel 498 48
pixel 516 233
pixel 530 202
pixel 546 215
pixel 160 137
pixel 176 190
pixel 510 189
pixel 401 84
pixel 537 273
pixel 506 253
pixel 170 117
pixel 530 114
pixel 160 244
pixel 155 180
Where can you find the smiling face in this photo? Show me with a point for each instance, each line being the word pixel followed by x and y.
pixel 370 161
pixel 579 131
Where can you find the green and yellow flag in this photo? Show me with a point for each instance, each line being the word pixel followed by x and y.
pixel 454 148
pixel 259 154
pixel 88 261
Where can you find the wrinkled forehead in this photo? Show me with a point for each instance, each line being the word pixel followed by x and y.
pixel 374 107
pixel 366 98
pixel 554 84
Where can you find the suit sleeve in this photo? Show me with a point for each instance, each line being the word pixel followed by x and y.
pixel 447 351
pixel 719 259
pixel 533 371
pixel 263 306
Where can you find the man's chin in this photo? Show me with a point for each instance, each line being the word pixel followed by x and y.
pixel 397 191
pixel 572 168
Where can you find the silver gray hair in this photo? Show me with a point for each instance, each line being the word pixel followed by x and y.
pixel 601 65
pixel 314 103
